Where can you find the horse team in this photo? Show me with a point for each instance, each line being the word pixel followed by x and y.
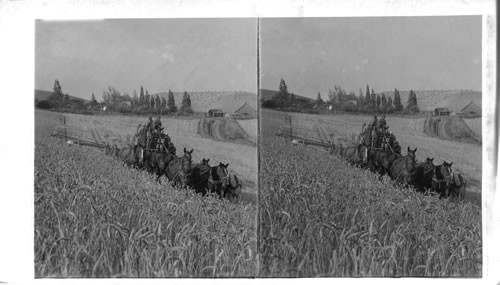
pixel 405 169
pixel 180 170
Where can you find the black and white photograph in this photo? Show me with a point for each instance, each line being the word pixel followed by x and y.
pixel 370 147
pixel 145 148
pixel 249 142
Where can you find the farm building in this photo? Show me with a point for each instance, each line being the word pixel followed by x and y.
pixel 471 110
pixel 441 112
pixel 245 111
pixel 352 101
pixel 215 113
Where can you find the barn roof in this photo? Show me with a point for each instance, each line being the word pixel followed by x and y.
pixel 215 110
pixel 246 109
pixel 471 108
pixel 442 109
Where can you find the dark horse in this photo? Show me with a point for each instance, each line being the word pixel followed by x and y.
pixel 458 185
pixel 424 174
pixel 218 180
pixel 442 179
pixel 403 168
pixel 156 162
pixel 380 161
pixel 200 174
pixel 233 190
pixel 179 168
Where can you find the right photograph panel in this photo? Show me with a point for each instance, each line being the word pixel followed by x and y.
pixel 370 147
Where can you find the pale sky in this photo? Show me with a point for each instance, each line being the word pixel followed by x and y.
pixel 314 54
pixel 160 54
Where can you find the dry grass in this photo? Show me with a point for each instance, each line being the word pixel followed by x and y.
pixel 467 157
pixel 250 127
pixel 95 217
pixel 475 124
pixel 321 217
pixel 184 133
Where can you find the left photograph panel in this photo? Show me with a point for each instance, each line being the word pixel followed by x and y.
pixel 145 148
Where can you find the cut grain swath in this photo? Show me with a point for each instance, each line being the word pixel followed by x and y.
pixel 74 136
pixel 296 136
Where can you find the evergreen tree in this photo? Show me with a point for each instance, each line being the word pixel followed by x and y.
pixel 319 101
pixel 282 98
pixel 397 101
pixel 93 101
pixel 412 105
pixel 368 98
pixel 171 102
pixel 184 100
pixel 379 101
pixel 373 100
pixel 157 101
pixel 186 104
pixel 142 99
pixel 389 102
pixel 283 88
pixel 383 102
pixel 57 96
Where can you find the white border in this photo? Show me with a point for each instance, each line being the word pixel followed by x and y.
pixel 17 85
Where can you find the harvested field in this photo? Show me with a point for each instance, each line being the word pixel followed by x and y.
pixel 320 217
pixel 409 132
pixel 450 128
pixel 225 129
pixel 475 124
pixel 118 129
pixel 250 127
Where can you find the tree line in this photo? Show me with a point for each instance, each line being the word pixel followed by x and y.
pixel 115 101
pixel 340 99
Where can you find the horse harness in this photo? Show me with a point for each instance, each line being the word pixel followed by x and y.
pixel 215 182
pixel 446 179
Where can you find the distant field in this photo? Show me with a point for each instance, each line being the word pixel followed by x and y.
pixel 242 159
pixel 475 124
pixel 250 127
pixel 228 101
pixel 467 158
pixel 320 217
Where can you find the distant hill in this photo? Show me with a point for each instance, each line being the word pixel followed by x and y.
pixel 454 100
pixel 43 95
pixel 267 94
pixel 228 101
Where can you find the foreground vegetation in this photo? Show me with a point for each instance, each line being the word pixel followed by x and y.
pixel 94 217
pixel 320 217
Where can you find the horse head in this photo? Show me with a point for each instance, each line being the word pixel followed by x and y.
pixel 223 174
pixel 410 159
pixel 186 160
pixel 444 175
pixel 428 166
